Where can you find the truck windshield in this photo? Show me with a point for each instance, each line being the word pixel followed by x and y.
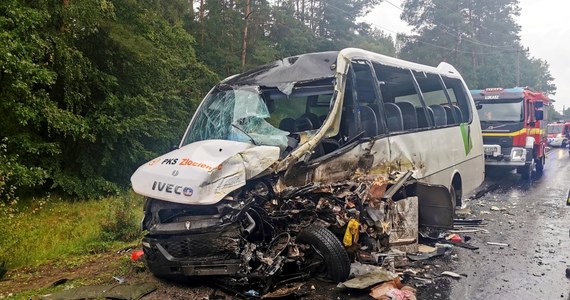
pixel 261 116
pixel 496 111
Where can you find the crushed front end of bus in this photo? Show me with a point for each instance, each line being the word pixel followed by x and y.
pixel 245 198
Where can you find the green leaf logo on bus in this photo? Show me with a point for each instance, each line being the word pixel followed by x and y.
pixel 466 134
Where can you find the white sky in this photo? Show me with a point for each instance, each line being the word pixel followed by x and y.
pixel 545 29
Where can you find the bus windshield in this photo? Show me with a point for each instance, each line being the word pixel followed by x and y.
pixel 257 115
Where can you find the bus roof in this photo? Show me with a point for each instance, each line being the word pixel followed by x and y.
pixel 321 65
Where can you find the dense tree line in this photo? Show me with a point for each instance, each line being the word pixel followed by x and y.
pixel 90 89
pixel 479 37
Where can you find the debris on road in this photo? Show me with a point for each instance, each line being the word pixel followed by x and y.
pixel 450 274
pixel 369 279
pixel 393 289
pixel 441 249
pixel 297 289
pixel 497 244
pixel 454 237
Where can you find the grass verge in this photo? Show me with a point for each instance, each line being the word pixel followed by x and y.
pixel 36 231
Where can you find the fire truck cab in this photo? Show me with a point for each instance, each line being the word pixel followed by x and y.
pixel 513 124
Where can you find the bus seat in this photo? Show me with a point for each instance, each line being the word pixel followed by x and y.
pixel 393 117
pixel 459 113
pixel 449 115
pixel 408 115
pixel 307 121
pixel 423 118
pixel 439 115
pixel 369 121
pixel 322 119
pixel 287 124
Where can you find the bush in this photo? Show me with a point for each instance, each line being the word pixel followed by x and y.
pixel 121 223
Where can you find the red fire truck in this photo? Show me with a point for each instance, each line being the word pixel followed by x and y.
pixel 513 122
pixel 558 133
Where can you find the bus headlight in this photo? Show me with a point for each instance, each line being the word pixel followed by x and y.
pixel 518 154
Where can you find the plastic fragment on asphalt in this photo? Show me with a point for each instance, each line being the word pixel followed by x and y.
pixel 252 293
pixel 497 244
pixel 450 274
pixel 454 237
pixel 425 248
pixel 367 280
pixel 359 269
pixel 441 249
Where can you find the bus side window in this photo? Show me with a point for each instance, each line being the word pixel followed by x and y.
pixel 402 103
pixel 436 99
pixel 458 98
pixel 367 100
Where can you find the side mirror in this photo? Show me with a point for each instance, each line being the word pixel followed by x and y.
pixel 478 106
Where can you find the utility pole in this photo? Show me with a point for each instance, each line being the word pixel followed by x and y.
pixel 518 66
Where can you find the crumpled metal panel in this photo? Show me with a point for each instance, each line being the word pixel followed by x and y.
pixel 203 172
pixel 284 73
pixel 435 208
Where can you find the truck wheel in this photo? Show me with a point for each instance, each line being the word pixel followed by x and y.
pixel 539 166
pixel 335 265
pixel 526 171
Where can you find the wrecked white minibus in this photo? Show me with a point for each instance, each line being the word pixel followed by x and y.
pixel 281 163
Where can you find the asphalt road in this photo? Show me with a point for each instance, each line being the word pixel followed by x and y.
pixel 535 221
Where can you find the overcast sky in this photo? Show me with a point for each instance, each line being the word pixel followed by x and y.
pixel 545 29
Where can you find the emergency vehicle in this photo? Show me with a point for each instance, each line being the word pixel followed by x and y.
pixel 513 124
pixel 558 134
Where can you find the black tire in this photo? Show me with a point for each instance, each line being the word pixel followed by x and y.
pixel 539 166
pixel 526 171
pixel 453 196
pixel 336 265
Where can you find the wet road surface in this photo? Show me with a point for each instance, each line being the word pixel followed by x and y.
pixel 535 221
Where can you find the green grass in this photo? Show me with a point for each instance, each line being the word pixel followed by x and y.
pixel 36 231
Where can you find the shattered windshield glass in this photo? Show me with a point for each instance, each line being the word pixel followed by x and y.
pixel 236 115
pixel 261 116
